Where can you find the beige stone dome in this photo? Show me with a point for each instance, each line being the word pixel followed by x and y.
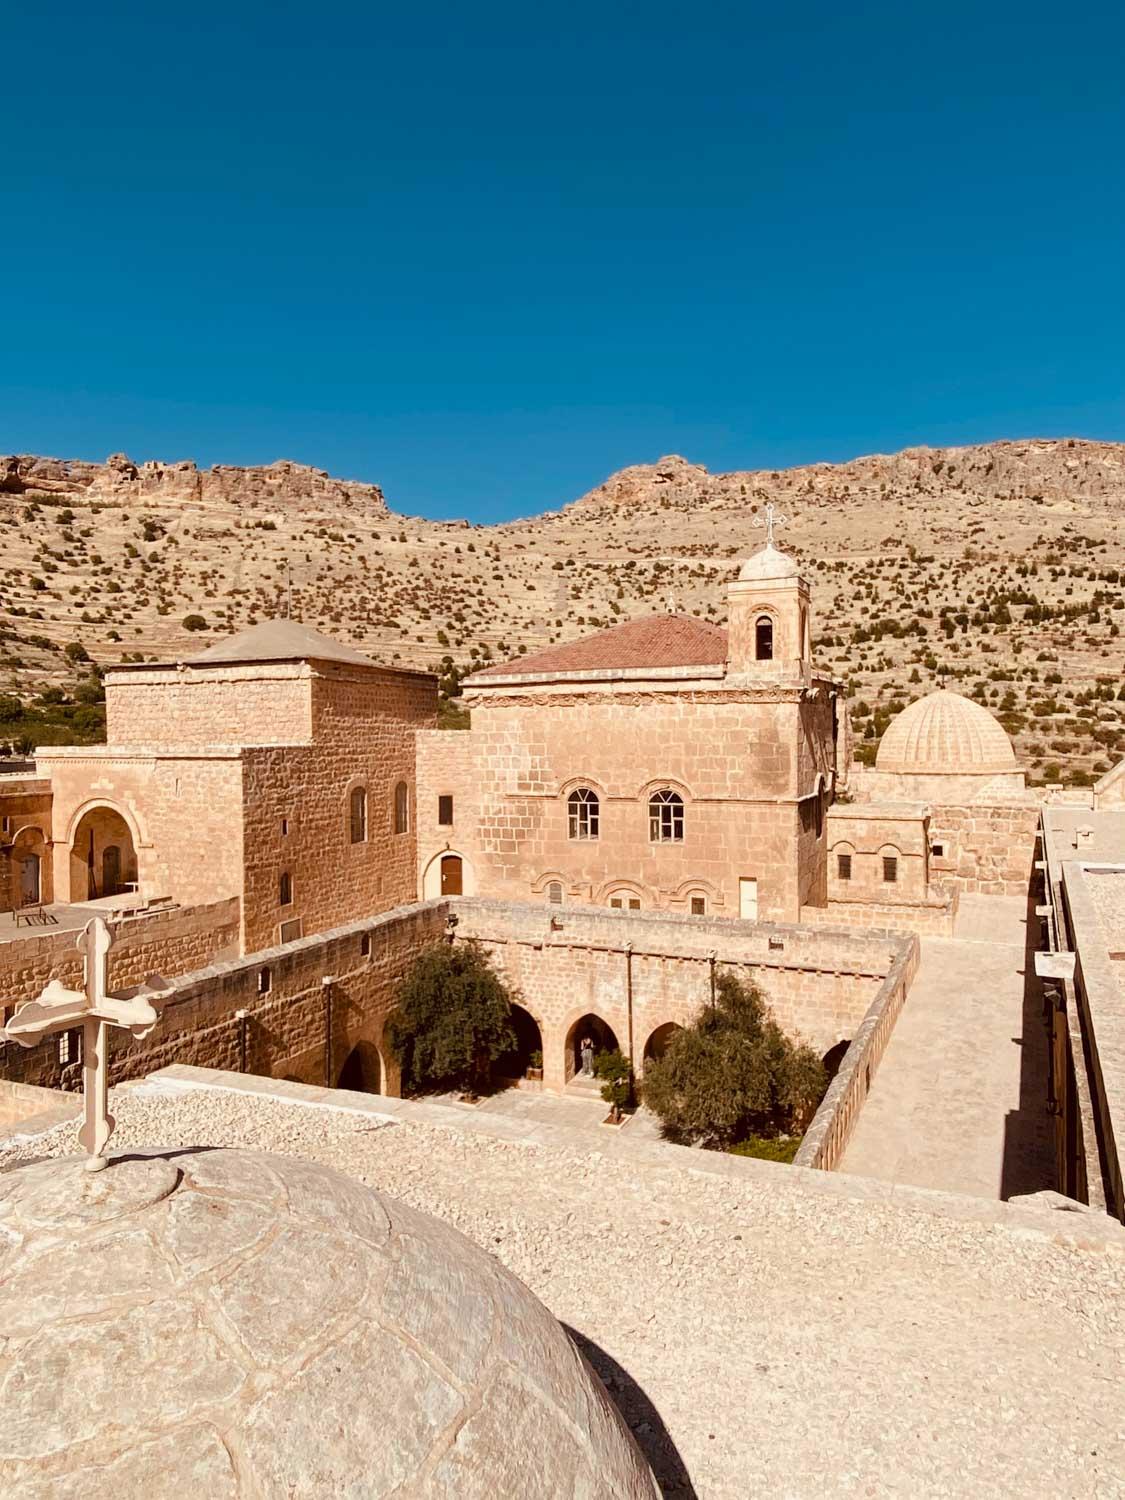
pixel 768 564
pixel 230 1323
pixel 945 734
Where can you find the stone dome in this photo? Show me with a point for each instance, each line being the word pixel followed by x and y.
pixel 945 734
pixel 769 564
pixel 230 1323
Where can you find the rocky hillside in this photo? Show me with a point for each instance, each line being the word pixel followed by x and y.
pixel 997 567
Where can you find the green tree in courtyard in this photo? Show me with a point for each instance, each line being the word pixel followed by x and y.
pixel 453 1019
pixel 734 1073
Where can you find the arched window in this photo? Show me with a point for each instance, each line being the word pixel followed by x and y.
pixel 583 813
pixel 284 889
pixel 555 892
pixel 402 808
pixel 666 817
pixel 357 811
pixel 763 638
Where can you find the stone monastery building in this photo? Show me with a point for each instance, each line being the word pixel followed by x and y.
pixel 278 822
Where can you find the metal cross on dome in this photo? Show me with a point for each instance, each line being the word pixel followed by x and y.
pixel 95 1010
pixel 771 519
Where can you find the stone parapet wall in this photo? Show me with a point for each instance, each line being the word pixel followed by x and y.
pixel 167 942
pixel 255 703
pixel 936 917
pixel 827 1137
pixel 638 972
pixel 286 1024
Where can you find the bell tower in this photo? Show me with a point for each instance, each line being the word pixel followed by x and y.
pixel 768 624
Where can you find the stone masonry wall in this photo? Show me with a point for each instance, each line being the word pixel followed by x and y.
pixel 289 1010
pixel 296 806
pixel 990 850
pixel 184 813
pixel 573 962
pixel 168 942
pixel 741 760
pixel 248 704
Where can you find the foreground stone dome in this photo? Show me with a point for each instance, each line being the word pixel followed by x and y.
pixel 945 734
pixel 228 1323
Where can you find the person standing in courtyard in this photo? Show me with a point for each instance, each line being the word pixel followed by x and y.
pixel 586 1050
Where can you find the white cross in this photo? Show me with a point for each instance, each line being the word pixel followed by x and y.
pixel 95 1009
pixel 772 518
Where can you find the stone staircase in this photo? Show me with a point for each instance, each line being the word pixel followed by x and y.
pixel 581 1087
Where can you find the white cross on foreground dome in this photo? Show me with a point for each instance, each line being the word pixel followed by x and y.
pixel 94 1009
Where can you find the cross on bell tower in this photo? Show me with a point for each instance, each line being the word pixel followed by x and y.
pixel 772 518
pixel 95 1010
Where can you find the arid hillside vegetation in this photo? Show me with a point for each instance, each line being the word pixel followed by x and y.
pixel 996 568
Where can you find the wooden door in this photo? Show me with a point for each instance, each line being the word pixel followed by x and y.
pixel 748 900
pixel 111 870
pixel 29 880
pixel 451 875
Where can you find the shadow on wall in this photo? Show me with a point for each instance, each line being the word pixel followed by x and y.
pixel 642 1419
pixel 1029 1162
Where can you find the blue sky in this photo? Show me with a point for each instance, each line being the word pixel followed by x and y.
pixel 485 255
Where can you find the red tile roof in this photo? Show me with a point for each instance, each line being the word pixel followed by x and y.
pixel 657 641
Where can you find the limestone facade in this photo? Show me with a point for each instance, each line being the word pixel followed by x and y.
pixel 288 783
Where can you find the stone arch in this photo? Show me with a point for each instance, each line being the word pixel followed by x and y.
pixel 588 1023
pixel 29 867
pixel 658 1039
pixel 513 1065
pixel 665 784
pixel 573 783
pixel 432 874
pixel 103 847
pixel 681 897
pixel 834 1057
pixel 363 1069
pixel 626 891
pixel 352 791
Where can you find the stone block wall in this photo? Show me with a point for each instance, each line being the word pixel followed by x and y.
pixel 743 760
pixel 571 963
pixel 290 1012
pixel 167 942
pixel 236 704
pixel 990 850
pixel 183 812
pixel 935 916
pixel 296 806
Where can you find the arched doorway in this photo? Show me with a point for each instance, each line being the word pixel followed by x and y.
pixel 103 860
pixel 598 1031
pixel 513 1065
pixel 658 1041
pixel 834 1057
pixel 363 1070
pixel 441 871
pixel 452 875
pixel 30 870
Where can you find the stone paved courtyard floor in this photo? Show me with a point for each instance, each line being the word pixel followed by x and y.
pixel 766 1330
pixel 959 1101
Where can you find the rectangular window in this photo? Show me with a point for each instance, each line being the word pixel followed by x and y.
pixel 890 869
pixel 938 851
pixel 634 904
pixel 263 981
pixel 844 866
pixel 290 931
pixel 284 828
pixel 445 811
pixel 285 889
pixel 699 906
pixel 7 824
pixel 615 901
pixel 70 1047
pixel 365 945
